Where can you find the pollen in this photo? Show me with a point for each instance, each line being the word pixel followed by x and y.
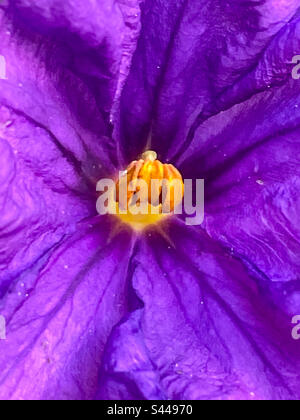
pixel 148 191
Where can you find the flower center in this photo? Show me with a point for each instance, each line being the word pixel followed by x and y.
pixel 148 191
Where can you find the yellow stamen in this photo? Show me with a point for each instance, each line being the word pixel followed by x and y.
pixel 149 155
pixel 158 201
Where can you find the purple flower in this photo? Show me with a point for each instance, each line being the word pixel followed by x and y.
pixel 176 313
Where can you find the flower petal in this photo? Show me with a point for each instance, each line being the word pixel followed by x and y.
pixel 60 314
pixel 251 168
pixel 55 142
pixel 253 202
pixel 48 88
pixel 95 38
pixel 42 195
pixel 248 156
pixel 57 272
pixel 54 151
pixel 204 331
pixel 181 73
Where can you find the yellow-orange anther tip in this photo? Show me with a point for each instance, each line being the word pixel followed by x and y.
pixel 156 204
pixel 149 155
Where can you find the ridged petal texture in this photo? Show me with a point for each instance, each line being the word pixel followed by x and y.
pixel 95 311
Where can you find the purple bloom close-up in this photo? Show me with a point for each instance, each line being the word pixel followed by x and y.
pixel 92 308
